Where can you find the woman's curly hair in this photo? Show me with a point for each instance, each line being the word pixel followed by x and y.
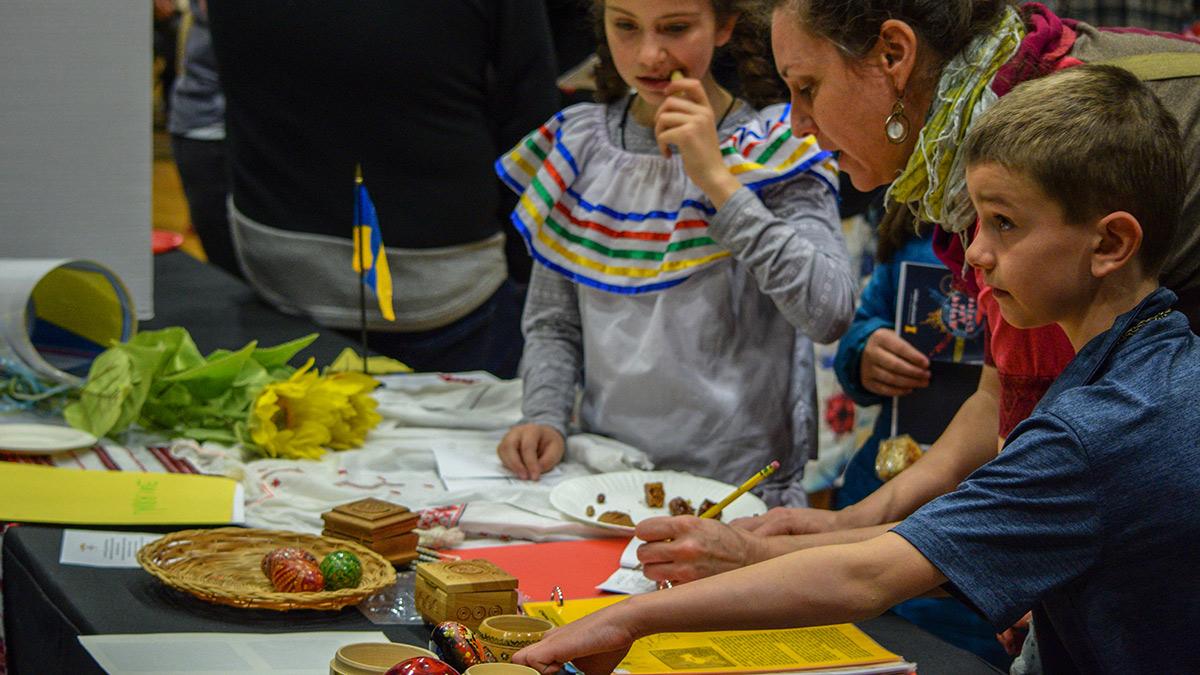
pixel 944 26
pixel 749 48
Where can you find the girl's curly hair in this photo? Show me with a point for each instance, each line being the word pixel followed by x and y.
pixel 749 48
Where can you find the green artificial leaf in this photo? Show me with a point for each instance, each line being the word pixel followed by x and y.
pixel 117 386
pixel 168 407
pixel 179 350
pixel 160 380
pixel 109 384
pixel 147 362
pixel 213 377
pixel 252 375
pixel 279 355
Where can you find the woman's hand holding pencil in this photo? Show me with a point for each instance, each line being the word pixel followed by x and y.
pixel 686 548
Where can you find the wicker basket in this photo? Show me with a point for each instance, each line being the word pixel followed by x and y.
pixel 223 566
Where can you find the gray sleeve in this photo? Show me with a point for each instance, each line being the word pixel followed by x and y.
pixel 791 242
pixel 553 356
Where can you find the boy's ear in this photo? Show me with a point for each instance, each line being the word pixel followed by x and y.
pixel 896 52
pixel 1118 239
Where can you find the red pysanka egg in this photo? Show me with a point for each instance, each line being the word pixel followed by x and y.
pixel 285 553
pixel 292 576
pixel 421 665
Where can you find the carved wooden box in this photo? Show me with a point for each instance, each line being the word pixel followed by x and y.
pixel 381 526
pixel 466 591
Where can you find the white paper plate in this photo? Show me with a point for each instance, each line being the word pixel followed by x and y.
pixel 42 439
pixel 624 491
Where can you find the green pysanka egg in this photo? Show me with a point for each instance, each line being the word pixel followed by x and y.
pixel 342 569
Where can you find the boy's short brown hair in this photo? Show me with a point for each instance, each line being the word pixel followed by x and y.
pixel 1095 140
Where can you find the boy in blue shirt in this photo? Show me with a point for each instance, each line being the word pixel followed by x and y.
pixel 1088 515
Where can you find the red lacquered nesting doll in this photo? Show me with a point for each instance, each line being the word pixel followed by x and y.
pixel 458 645
pixel 421 665
pixel 292 576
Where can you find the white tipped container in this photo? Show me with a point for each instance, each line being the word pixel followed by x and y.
pixel 56 316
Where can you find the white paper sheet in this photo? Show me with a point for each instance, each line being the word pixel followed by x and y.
pixel 103 548
pixel 628 578
pixel 221 653
pixel 629 559
pixel 629 582
pixel 458 460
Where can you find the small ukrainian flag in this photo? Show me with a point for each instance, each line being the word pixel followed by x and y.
pixel 370 260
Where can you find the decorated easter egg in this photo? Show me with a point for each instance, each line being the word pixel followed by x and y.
pixel 285 553
pixel 341 569
pixel 421 665
pixel 292 576
pixel 458 645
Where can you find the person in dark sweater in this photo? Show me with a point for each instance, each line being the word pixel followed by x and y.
pixel 423 95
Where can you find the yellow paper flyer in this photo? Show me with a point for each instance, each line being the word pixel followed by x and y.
pixel 44 494
pixel 789 649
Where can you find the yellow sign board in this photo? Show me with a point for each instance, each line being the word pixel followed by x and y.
pixel 45 494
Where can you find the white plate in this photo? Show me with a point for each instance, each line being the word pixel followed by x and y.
pixel 42 439
pixel 624 491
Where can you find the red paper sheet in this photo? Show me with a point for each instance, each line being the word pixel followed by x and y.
pixel 575 566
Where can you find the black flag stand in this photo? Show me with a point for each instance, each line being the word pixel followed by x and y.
pixel 360 246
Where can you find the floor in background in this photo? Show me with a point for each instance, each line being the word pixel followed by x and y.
pixel 169 210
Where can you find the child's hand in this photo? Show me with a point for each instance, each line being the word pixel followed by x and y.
pixel 1013 638
pixel 892 367
pixel 530 450
pixel 685 120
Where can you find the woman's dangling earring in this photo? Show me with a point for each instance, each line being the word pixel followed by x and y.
pixel 895 127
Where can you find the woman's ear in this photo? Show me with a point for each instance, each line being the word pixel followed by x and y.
pixel 1118 240
pixel 896 52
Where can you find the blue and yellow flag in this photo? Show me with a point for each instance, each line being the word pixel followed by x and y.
pixel 369 257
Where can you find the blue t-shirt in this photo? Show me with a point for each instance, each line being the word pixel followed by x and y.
pixel 1090 512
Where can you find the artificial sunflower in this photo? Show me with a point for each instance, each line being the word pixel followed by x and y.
pixel 301 416
pixel 279 421
pixel 357 416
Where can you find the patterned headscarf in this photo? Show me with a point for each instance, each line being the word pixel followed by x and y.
pixel 933 184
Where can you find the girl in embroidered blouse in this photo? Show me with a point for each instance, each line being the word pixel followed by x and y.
pixel 688 250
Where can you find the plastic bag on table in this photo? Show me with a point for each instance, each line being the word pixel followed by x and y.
pixel 395 604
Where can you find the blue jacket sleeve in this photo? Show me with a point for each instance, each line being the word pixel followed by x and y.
pixel 876 309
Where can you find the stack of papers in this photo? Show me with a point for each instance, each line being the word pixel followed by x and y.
pixel 841 648
pixel 628 579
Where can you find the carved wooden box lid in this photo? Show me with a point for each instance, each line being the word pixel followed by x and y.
pixel 464 576
pixel 370 519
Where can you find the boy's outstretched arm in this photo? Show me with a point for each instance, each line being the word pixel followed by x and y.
pixel 969 442
pixel 684 549
pixel 833 584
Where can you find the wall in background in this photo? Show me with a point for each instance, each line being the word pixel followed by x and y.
pixel 75 146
